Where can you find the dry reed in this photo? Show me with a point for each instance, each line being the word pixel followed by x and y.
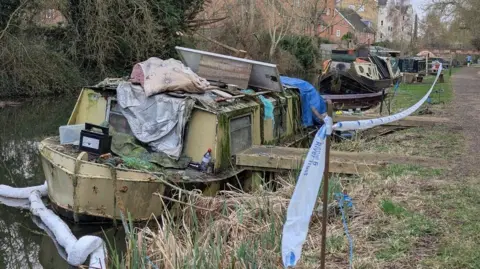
pixel 243 230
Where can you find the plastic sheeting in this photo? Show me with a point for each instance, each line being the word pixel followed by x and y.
pixel 77 250
pixel 158 120
pixel 304 197
pixel 309 97
pixel 268 106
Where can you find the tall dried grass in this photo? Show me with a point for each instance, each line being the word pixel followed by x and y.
pixel 231 230
pixel 244 230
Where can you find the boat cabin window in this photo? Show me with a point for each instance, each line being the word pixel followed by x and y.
pixel 116 119
pixel 240 134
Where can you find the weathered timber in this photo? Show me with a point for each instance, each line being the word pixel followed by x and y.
pixel 411 121
pixel 223 70
pixel 282 158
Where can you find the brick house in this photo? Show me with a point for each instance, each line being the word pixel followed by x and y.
pixel 349 21
pixel 367 9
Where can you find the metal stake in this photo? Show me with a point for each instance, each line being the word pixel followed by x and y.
pixel 381 103
pixel 325 192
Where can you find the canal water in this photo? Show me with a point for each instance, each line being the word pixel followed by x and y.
pixel 22 243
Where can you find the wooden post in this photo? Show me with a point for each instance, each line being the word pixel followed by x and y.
pixel 383 99
pixel 325 191
pixel 426 64
pixel 450 66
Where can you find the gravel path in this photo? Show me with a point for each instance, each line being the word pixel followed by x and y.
pixel 466 108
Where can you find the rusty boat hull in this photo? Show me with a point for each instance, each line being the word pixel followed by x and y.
pixel 85 191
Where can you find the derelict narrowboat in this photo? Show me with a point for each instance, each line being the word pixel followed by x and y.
pixel 245 104
pixel 352 80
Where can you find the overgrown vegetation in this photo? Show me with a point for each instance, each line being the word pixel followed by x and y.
pixel 304 48
pixel 54 46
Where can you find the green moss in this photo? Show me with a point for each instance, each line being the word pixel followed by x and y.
pixel 224 127
pixel 295 110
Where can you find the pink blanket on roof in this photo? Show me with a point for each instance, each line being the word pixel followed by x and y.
pixel 157 76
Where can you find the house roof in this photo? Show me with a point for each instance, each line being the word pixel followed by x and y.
pixel 355 20
pixel 382 2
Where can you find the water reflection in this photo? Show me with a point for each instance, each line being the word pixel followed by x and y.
pixel 22 243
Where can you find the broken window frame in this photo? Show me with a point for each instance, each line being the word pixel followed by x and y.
pixel 231 132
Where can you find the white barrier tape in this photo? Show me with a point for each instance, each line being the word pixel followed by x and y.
pixel 303 200
pixel 77 250
pixel 304 196
pixel 365 124
pixel 329 125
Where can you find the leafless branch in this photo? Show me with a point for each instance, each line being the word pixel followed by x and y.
pixel 14 13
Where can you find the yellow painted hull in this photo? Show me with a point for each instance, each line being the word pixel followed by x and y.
pixel 87 188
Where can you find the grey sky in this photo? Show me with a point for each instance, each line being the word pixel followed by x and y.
pixel 418 5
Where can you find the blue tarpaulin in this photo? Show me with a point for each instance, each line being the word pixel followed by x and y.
pixel 309 97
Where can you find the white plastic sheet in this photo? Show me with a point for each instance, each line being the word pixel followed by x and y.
pixel 303 200
pixel 158 121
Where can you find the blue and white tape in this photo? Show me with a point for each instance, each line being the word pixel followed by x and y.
pixel 303 200
pixel 366 124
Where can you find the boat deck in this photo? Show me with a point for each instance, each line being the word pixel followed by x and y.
pixel 282 158
pixel 188 175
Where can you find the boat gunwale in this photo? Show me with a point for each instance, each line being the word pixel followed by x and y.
pixel 42 143
pixel 167 177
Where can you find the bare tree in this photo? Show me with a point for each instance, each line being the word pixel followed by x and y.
pixel 316 12
pixel 278 21
pixel 461 16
